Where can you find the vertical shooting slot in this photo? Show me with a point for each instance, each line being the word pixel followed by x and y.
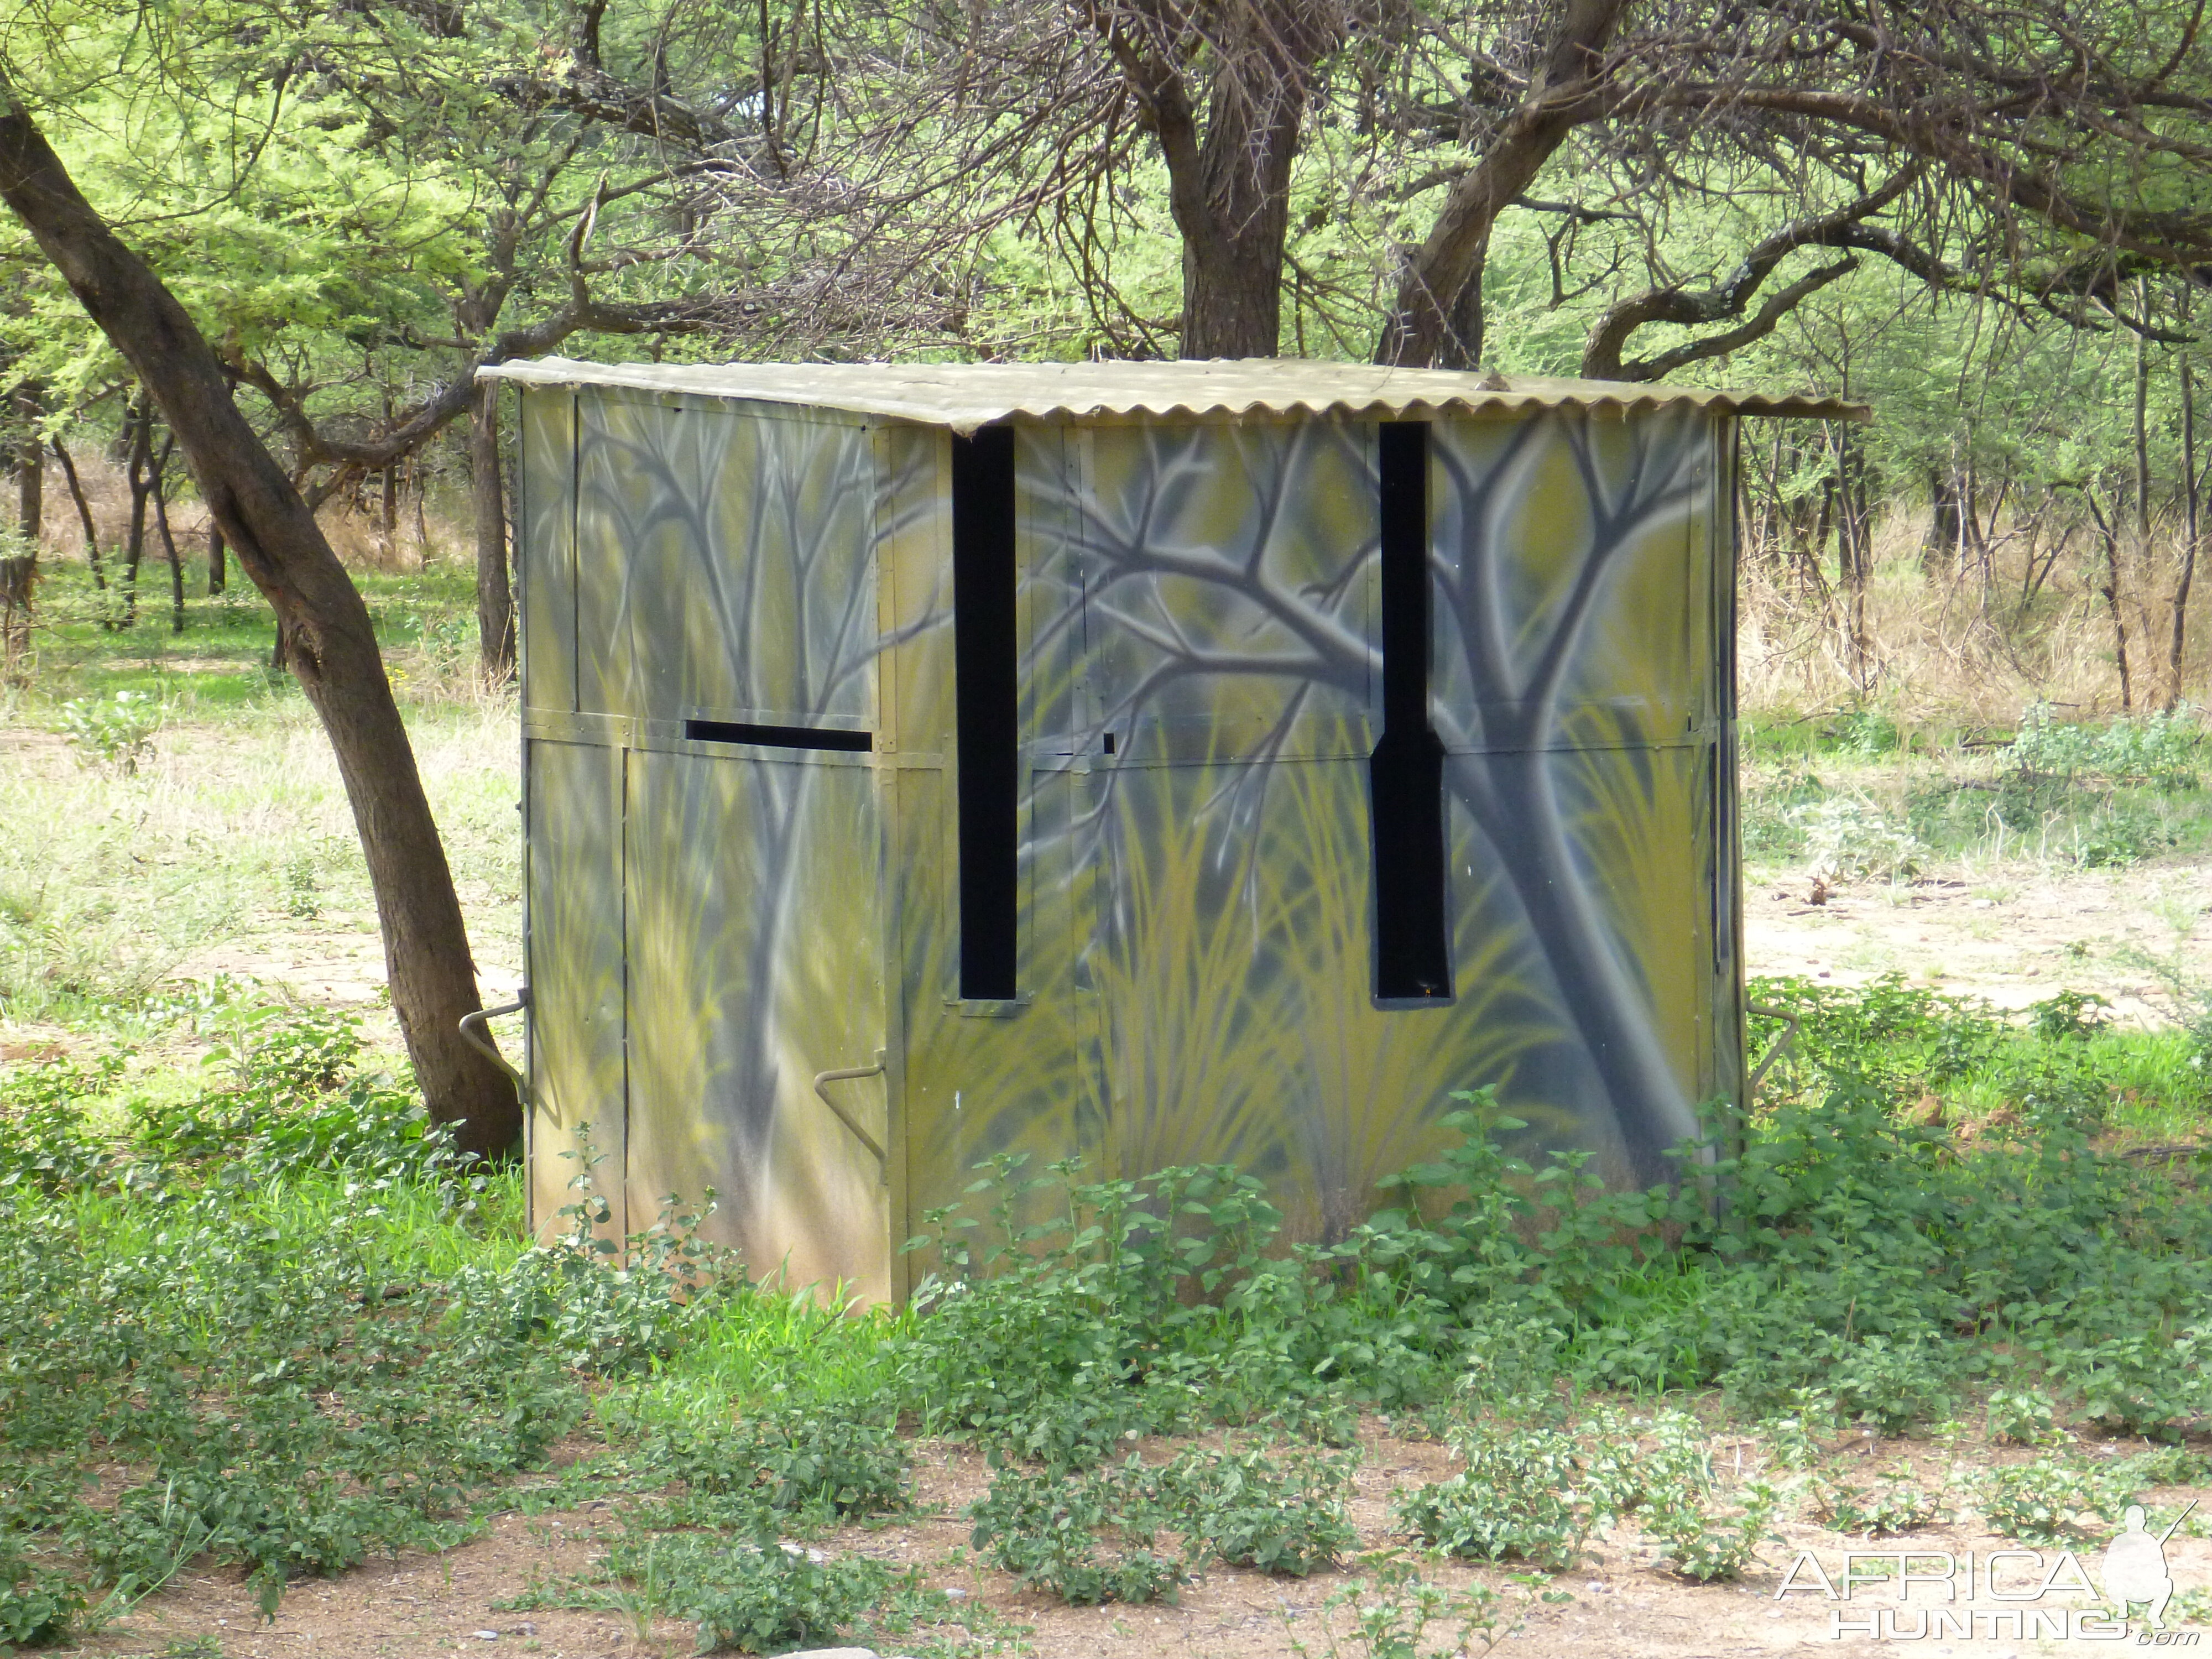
pixel 1413 954
pixel 986 709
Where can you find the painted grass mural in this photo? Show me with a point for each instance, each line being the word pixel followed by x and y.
pixel 1200 684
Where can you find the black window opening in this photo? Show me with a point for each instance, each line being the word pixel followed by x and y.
pixel 780 737
pixel 985 709
pixel 1405 776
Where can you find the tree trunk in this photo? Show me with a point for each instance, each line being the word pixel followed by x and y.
pixel 2108 530
pixel 1232 252
pixel 1231 192
pixel 31 468
pixel 1974 543
pixel 83 514
pixel 218 575
pixel 494 598
pixel 169 541
pixel 19 571
pixel 138 421
pixel 1228 188
pixel 1945 527
pixel 1434 288
pixel 2192 527
pixel 1854 558
pixel 1233 286
pixel 2142 415
pixel 330 643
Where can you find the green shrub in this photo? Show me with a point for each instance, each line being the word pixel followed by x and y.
pixel 808 1466
pixel 38 1608
pixel 115 732
pixel 2024 1417
pixel 571 1297
pixel 1893 1505
pixel 744 1593
pixel 2050 1500
pixel 1277 1508
pixel 2152 1384
pixel 231 1298
pixel 1085 1536
pixel 2162 749
pixel 1515 1500
pixel 2046 1502
pixel 756 1597
pixel 44 1148
pixel 1705 1543
pixel 1051 1347
pixel 1390 1609
pixel 215 1303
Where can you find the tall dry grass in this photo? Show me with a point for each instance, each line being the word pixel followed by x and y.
pixel 230 844
pixel 431 523
pixel 2019 619
pixel 1973 640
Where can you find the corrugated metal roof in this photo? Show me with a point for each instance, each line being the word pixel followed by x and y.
pixel 966 396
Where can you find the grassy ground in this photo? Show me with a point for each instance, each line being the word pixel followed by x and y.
pixel 273 1369
pixel 173 809
pixel 1869 797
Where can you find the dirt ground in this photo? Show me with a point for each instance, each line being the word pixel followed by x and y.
pixel 1618 1601
pixel 2014 937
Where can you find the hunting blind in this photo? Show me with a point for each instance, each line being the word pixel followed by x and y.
pixel 1164 764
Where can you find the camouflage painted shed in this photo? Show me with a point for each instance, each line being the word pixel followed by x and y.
pixel 1167 763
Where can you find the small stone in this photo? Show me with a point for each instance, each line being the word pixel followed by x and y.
pixel 834 1653
pixel 956 1596
pixel 486 1635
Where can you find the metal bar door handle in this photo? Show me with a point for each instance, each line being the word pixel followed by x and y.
pixel 846 1073
pixel 1780 1047
pixel 472 1033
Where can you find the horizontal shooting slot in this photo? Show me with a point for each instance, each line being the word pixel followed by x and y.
pixel 780 737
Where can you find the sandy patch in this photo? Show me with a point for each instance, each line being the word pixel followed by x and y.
pixel 2014 937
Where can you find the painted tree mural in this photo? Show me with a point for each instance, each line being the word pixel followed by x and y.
pixel 1201 678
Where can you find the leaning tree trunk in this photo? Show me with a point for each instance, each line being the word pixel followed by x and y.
pixel 168 539
pixel 330 646
pixel 1439 297
pixel 494 598
pixel 83 514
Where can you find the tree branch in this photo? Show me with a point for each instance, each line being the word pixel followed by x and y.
pixel 1566 95
pixel 1843 228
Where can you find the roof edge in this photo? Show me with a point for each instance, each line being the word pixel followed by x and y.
pixel 1072 393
